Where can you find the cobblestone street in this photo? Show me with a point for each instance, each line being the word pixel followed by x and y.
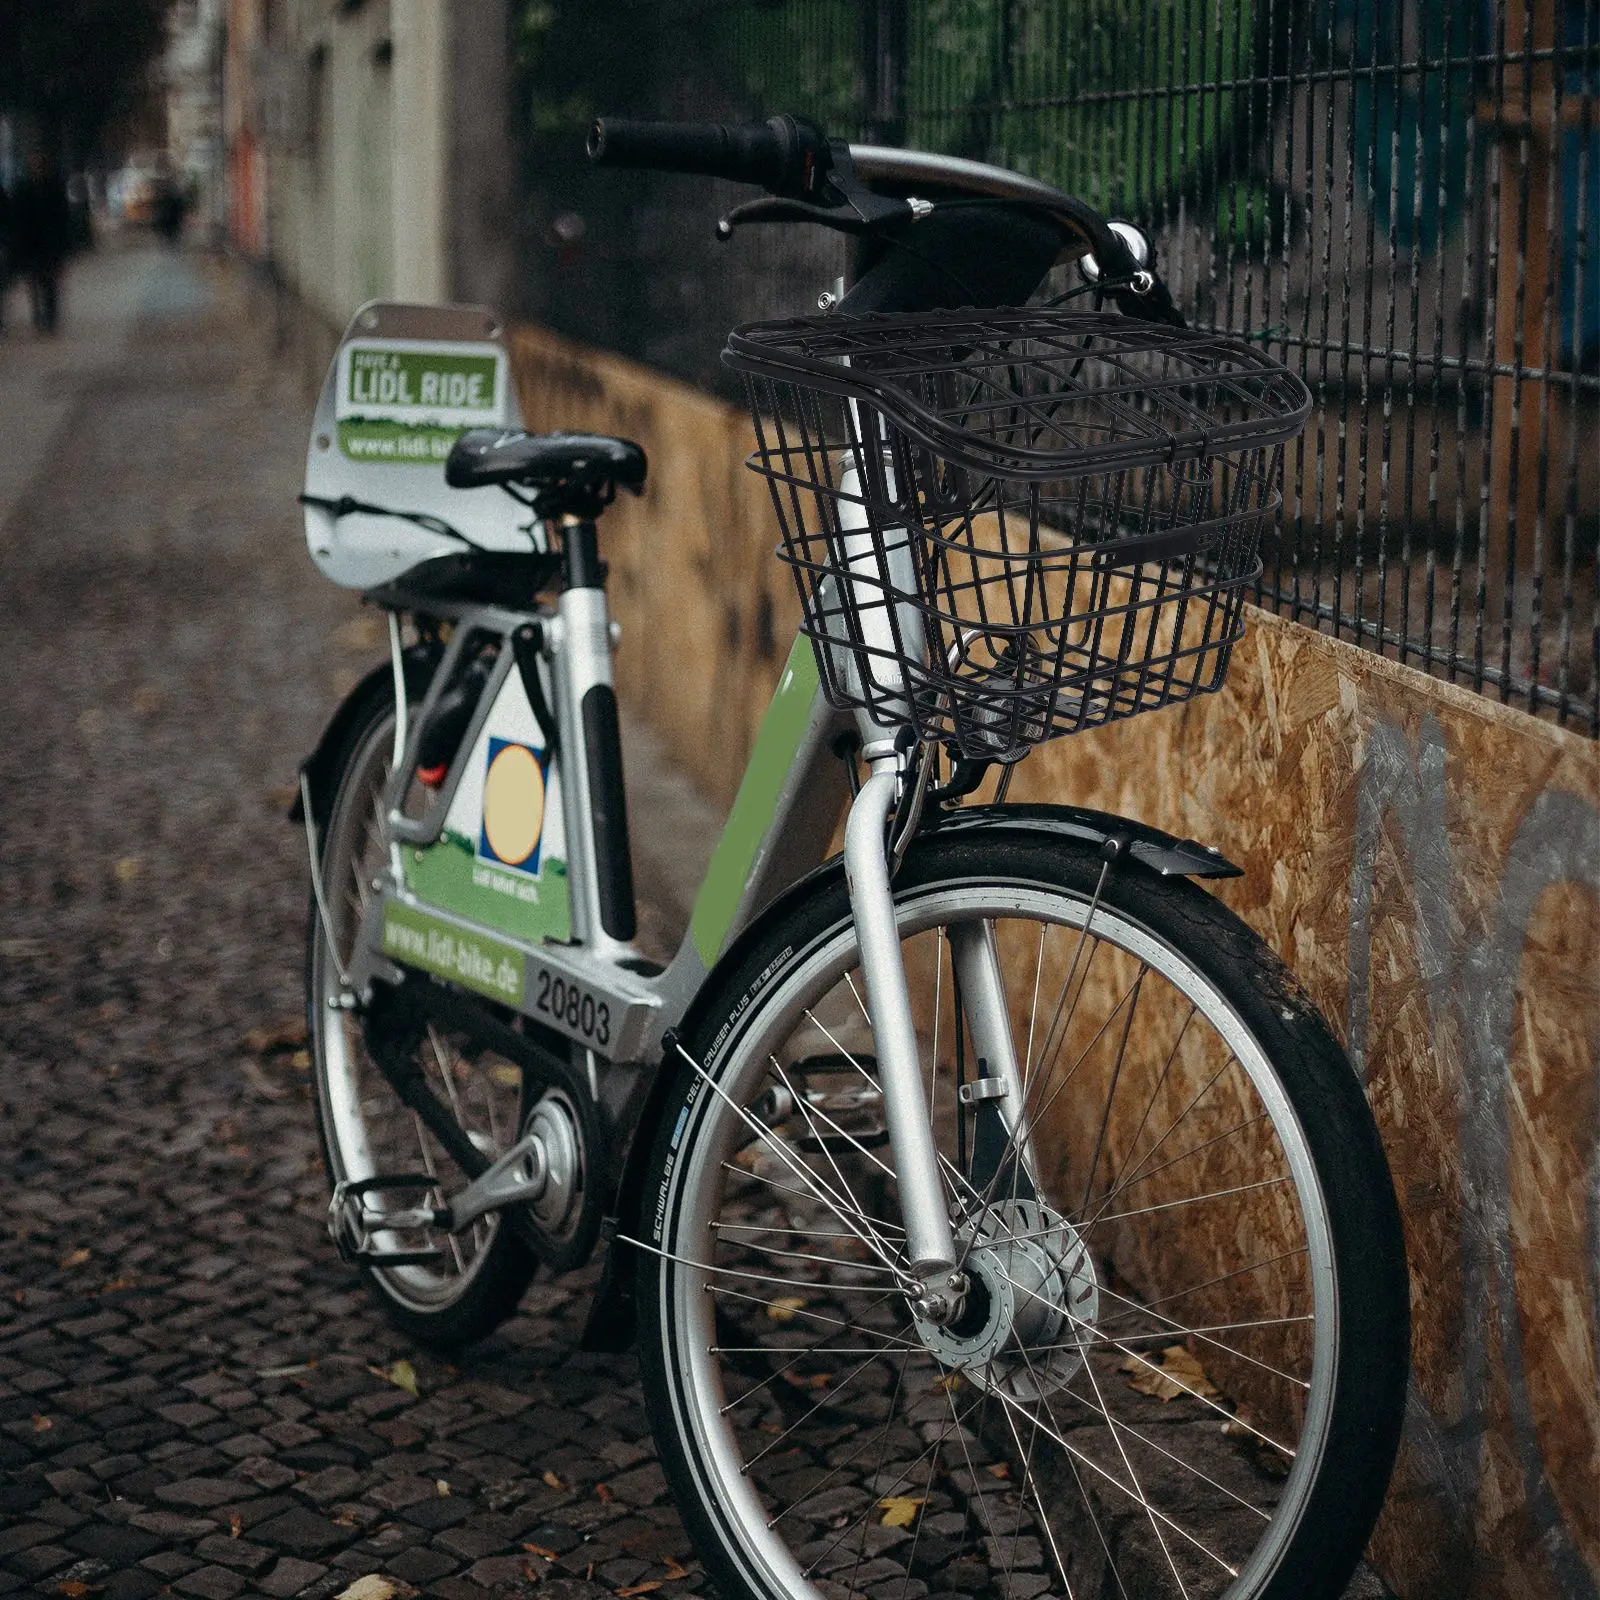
pixel 194 1393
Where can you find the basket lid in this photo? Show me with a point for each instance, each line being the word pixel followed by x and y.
pixel 1036 392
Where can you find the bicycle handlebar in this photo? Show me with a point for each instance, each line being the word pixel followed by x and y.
pixel 778 154
pixel 794 159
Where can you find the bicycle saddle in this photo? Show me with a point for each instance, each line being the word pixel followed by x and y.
pixel 567 472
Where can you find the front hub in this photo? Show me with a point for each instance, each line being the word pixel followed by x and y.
pixel 1031 1302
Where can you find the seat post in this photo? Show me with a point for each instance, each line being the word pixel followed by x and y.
pixel 582 567
pixel 592 706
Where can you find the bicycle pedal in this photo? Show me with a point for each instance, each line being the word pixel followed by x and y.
pixel 386 1180
pixel 393 1258
pixel 352 1225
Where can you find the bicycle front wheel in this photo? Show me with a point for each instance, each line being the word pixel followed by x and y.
pixel 1179 1366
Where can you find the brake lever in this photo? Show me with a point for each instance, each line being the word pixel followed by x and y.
pixel 847 205
pixel 841 217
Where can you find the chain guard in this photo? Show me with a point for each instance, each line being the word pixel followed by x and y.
pixel 562 1231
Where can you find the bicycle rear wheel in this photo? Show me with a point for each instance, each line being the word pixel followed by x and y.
pixel 1180 1367
pixel 364 1128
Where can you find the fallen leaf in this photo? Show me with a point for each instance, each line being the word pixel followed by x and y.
pixel 235 1525
pixel 808 1380
pixel 649 1586
pixel 1241 1425
pixel 602 1493
pixel 300 1060
pixel 75 1258
pixel 400 1373
pixel 900 1510
pixel 261 1083
pixel 675 1570
pixel 41 1423
pixel 1177 1373
pixel 783 1310
pixel 374 1587
pixel 540 1551
pixel 999 1470
pixel 529 1573
pixel 118 1284
pixel 507 1076
pixel 73 1587
pixel 285 1372
pixel 769 1427
pixel 588 1573
pixel 442 1488
pixel 551 1481
pixel 289 1034
pixel 127 868
pixel 950 1382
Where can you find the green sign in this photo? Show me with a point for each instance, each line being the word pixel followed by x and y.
pixel 408 407
pixel 377 380
pixel 471 959
pixel 450 875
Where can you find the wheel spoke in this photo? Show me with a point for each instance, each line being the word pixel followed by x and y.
pixel 1196 1199
pixel 817 1189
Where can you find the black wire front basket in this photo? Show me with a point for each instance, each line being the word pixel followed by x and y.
pixel 1010 525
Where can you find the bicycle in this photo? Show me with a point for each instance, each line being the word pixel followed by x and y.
pixel 991 1208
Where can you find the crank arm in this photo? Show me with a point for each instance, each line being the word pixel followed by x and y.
pixel 518 1175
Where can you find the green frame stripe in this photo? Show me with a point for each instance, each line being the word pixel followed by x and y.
pixel 782 729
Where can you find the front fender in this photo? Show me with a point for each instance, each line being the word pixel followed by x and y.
pixel 611 1318
pixel 1151 847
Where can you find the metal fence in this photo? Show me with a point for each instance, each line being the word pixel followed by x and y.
pixel 1400 198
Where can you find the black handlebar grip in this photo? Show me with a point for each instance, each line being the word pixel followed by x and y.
pixel 759 152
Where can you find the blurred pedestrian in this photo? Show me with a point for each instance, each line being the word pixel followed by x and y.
pixel 170 205
pixel 41 237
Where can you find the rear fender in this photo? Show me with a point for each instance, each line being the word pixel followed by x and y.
pixel 1121 840
pixel 320 768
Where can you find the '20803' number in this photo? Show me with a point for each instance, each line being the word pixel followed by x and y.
pixel 569 1004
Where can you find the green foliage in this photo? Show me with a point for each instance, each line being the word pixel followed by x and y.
pixel 1050 87
pixel 75 66
pixel 805 64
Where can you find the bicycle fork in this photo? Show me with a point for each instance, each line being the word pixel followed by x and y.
pixel 925 1210
pixel 883 575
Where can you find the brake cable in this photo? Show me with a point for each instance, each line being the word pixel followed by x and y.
pixel 347 505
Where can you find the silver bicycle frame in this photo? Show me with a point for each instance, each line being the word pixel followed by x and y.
pixel 788 807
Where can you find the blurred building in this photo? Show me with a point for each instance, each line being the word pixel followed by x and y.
pixel 193 72
pixel 367 149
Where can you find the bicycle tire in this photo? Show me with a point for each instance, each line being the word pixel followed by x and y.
pixel 361 1125
pixel 726 1388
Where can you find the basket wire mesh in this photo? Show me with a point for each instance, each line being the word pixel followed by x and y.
pixel 1007 526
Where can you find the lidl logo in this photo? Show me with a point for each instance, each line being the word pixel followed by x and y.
pixel 513 806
